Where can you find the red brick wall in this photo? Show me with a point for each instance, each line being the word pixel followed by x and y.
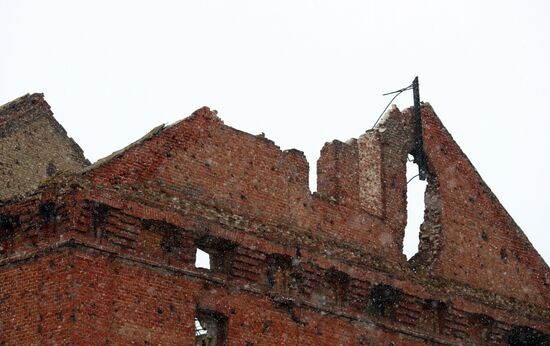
pixel 204 160
pixel 36 300
pixel 110 253
pixel 480 244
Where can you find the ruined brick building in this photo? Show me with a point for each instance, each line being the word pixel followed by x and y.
pixel 105 253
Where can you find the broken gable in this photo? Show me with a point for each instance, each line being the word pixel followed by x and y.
pixel 201 160
pixel 467 235
pixel 121 238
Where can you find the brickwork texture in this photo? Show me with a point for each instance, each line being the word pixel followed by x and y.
pixel 106 253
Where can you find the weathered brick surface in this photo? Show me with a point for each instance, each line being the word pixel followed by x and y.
pixel 36 300
pixel 107 255
pixel 33 146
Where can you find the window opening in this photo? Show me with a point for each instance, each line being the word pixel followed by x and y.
pixel 210 328
pixel 202 259
pixel 416 189
pixel 217 252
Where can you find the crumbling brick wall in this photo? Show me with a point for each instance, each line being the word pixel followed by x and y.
pixel 33 146
pixel 292 267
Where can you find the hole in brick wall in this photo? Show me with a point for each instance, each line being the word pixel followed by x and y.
pixel 415 209
pixel 202 259
pixel 210 328
pixel 47 210
pixel 484 236
pixel 8 222
pixel 525 336
pixel 382 299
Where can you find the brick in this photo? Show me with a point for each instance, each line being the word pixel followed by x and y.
pixel 104 254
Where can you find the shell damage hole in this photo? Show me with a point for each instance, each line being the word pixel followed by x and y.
pixel 416 189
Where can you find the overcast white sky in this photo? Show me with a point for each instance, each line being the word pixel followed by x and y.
pixel 303 72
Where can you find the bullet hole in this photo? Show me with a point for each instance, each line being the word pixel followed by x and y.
pixel 484 236
pixel 47 210
pixel 243 197
pixel 160 311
